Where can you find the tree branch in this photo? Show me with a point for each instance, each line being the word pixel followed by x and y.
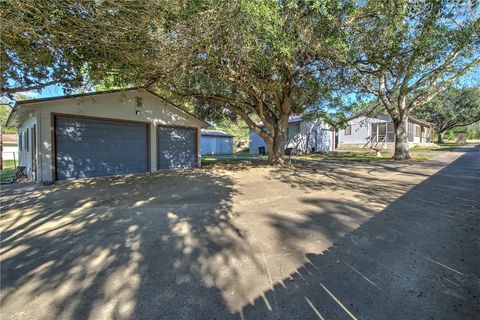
pixel 7 90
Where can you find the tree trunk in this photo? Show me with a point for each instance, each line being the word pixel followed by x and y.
pixel 276 150
pixel 440 138
pixel 401 138
pixel 276 145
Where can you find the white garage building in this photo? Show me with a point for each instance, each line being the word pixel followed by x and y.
pixel 216 142
pixel 103 134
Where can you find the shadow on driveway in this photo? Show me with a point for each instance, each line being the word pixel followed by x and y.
pixel 166 246
pixel 417 259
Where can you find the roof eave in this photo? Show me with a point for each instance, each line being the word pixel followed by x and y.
pixel 79 95
pixel 11 115
pixel 87 94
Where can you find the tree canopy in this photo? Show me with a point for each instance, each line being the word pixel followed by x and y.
pixel 4 113
pixel 259 60
pixel 452 108
pixel 405 52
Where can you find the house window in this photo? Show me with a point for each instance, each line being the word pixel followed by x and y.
pixel 20 141
pixel 26 139
pixel 418 131
pixel 348 130
pixel 410 131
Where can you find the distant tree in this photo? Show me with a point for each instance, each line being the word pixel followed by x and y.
pixel 238 129
pixel 452 108
pixel 405 52
pixel 4 113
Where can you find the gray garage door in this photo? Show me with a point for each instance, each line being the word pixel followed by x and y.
pixel 92 148
pixel 176 147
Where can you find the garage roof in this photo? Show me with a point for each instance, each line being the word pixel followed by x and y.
pixel 87 94
pixel 215 133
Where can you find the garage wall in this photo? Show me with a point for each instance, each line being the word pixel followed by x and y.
pixel 25 156
pixel 216 145
pixel 117 105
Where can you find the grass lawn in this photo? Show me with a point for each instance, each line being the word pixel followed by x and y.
pixel 360 156
pixel 438 147
pixel 8 171
pixel 418 153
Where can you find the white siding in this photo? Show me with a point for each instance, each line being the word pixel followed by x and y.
pixel 10 153
pixel 360 131
pixel 255 141
pixel 298 134
pixel 24 155
pixel 116 105
pixel 217 145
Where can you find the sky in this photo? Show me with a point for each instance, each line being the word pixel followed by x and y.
pixel 50 91
pixel 469 80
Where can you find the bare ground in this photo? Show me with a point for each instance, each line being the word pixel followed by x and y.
pixel 330 240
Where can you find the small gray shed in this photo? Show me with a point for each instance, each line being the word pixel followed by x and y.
pixel 216 142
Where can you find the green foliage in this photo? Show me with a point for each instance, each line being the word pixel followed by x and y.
pixel 238 130
pixel 246 59
pixel 8 173
pixel 4 113
pixel 404 53
pixel 452 108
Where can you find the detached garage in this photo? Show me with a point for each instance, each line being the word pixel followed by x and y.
pixel 104 134
pixel 216 142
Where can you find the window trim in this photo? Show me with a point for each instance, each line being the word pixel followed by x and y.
pixel 348 130
pixel 27 140
pixel 418 131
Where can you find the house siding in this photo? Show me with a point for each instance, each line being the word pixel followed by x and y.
pixel 24 155
pixel 321 138
pixel 217 145
pixel 361 132
pixel 116 105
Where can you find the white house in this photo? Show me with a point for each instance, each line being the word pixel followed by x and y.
pixel 303 136
pixel 362 131
pixel 216 142
pixel 9 147
pixel 104 133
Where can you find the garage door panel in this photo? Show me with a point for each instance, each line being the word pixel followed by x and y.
pixel 176 148
pixel 91 148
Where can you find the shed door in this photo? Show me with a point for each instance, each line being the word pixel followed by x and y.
pixel 92 148
pixel 224 145
pixel 176 147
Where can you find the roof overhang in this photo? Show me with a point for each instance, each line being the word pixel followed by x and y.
pixel 420 121
pixel 19 115
pixel 19 105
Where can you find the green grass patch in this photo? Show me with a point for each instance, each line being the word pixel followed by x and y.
pixel 242 154
pixel 357 156
pixel 360 156
pixel 438 147
pixel 8 171
pixel 348 156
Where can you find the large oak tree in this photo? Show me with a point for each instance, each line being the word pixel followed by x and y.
pixel 405 52
pixel 451 109
pixel 261 60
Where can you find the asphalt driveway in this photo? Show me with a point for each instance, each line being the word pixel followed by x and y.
pixel 332 240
